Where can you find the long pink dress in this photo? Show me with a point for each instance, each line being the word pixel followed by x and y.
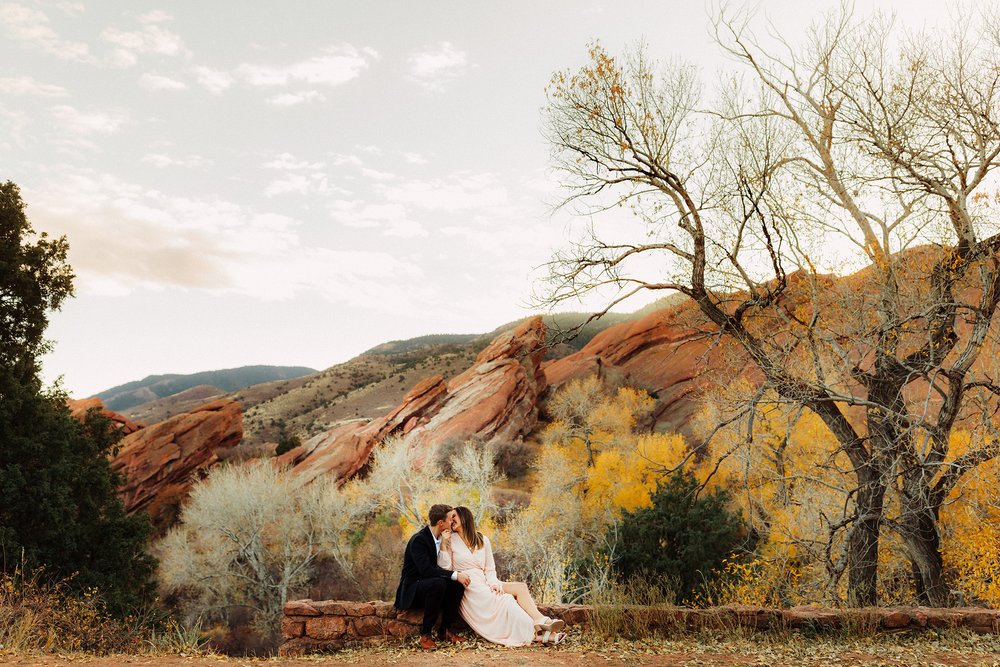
pixel 494 616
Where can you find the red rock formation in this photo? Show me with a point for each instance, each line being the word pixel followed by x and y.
pixel 495 399
pixel 666 353
pixel 161 462
pixel 675 352
pixel 79 408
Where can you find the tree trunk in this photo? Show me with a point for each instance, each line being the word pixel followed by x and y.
pixel 919 530
pixel 873 477
pixel 862 545
pixel 924 550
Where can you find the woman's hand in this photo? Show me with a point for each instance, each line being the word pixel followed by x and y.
pixel 496 588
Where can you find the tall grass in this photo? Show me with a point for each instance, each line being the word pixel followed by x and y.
pixel 631 609
pixel 38 614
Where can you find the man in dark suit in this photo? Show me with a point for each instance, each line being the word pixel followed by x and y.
pixel 424 584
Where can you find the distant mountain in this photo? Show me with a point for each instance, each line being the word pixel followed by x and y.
pixel 411 344
pixel 156 387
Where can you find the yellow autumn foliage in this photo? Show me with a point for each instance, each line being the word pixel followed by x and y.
pixel 624 477
pixel 594 466
pixel 792 483
pixel 970 529
pixel 790 479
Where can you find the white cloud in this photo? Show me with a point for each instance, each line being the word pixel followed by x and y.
pixel 376 175
pixel 155 82
pixel 340 159
pixel 301 176
pixel 302 184
pixel 150 37
pixel 127 237
pixel 71 8
pixel 287 161
pixel 213 80
pixel 415 158
pixel 356 213
pixel 83 123
pixel 293 99
pixel 334 65
pixel 31 27
pixel 188 161
pixel 456 192
pixel 13 128
pixel 435 67
pixel 405 229
pixel 392 219
pixel 155 16
pixel 25 85
pixel 504 240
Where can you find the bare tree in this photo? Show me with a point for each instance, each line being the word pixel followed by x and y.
pixel 402 481
pixel 248 536
pixel 476 475
pixel 406 481
pixel 863 141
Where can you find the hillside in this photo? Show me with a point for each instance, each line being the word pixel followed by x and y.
pixel 303 402
pixel 154 387
pixel 361 388
pixel 374 382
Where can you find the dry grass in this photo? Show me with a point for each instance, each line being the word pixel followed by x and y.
pixel 950 648
pixel 38 615
pixel 44 625
pixel 947 649
pixel 628 609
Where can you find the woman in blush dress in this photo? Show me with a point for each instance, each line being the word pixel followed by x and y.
pixel 503 613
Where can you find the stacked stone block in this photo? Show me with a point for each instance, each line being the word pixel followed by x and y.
pixel 315 627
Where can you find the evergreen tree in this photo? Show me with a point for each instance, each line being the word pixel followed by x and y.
pixel 682 537
pixel 59 507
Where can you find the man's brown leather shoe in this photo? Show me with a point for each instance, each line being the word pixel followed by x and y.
pixel 452 637
pixel 427 643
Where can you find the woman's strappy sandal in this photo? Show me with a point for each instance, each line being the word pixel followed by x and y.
pixel 546 624
pixel 552 638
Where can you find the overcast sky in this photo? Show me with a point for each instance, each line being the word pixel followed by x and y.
pixel 293 183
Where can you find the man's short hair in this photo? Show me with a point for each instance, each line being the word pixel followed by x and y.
pixel 438 513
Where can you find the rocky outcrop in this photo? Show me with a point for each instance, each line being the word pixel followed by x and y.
pixel 79 409
pixel 675 352
pixel 160 463
pixel 667 353
pixel 495 399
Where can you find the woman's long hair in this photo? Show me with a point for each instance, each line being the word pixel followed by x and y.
pixel 472 537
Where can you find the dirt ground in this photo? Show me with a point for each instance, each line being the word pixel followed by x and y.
pixel 933 651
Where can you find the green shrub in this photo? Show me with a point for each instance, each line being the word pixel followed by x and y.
pixel 286 443
pixel 59 505
pixel 682 538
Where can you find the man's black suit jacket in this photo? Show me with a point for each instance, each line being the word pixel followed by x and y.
pixel 419 562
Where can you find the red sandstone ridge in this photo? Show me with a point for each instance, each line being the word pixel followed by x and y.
pixel 666 353
pixel 79 408
pixel 675 352
pixel 161 462
pixel 495 399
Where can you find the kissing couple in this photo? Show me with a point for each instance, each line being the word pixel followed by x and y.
pixel 448 569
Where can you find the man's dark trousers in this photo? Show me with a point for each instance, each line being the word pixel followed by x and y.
pixel 425 584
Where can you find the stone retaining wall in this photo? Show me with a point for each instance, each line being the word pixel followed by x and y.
pixel 311 627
